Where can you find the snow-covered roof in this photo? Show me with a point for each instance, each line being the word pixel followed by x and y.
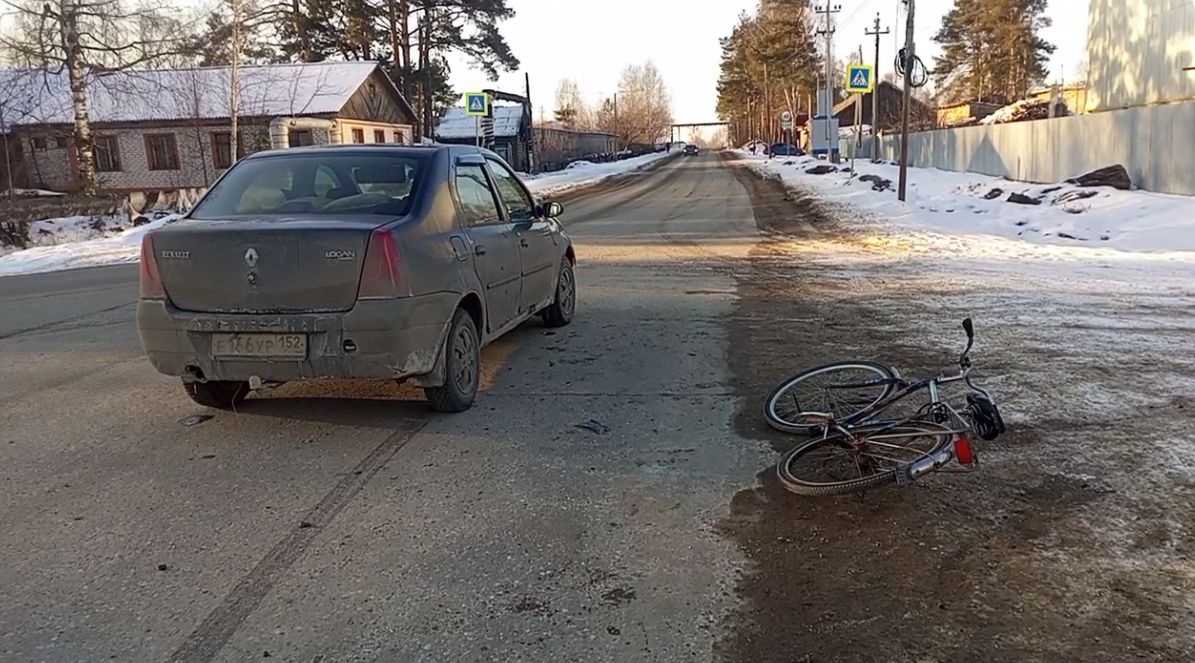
pixel 454 124
pixel 43 97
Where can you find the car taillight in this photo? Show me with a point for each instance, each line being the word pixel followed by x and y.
pixel 151 279
pixel 380 277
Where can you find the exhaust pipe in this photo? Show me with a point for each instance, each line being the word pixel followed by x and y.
pixel 195 373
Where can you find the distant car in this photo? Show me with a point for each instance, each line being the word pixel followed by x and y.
pixel 690 150
pixel 786 150
pixel 351 262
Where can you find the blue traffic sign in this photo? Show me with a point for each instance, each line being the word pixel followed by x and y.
pixel 860 78
pixel 477 103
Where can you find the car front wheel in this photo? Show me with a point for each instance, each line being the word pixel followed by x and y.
pixel 462 367
pixel 560 313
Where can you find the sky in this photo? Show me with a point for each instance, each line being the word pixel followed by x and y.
pixel 592 41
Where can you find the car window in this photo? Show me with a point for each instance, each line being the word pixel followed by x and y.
pixel 478 204
pixel 314 183
pixel 518 203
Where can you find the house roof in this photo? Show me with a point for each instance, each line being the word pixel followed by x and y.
pixel 43 97
pixel 455 124
pixel 891 88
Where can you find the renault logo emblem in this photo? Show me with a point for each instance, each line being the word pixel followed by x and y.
pixel 251 258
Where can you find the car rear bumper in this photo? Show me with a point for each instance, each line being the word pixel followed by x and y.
pixel 393 339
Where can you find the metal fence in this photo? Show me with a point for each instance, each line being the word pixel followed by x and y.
pixel 1154 143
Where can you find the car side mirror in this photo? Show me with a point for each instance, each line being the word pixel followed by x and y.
pixel 552 209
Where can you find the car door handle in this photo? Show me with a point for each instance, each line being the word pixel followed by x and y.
pixel 479 250
pixel 523 243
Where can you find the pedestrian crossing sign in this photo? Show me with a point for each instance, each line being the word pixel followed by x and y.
pixel 477 103
pixel 860 78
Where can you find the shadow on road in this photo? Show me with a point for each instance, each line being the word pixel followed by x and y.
pixel 371 412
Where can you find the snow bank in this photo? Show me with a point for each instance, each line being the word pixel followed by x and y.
pixel 122 248
pixel 963 204
pixel 586 173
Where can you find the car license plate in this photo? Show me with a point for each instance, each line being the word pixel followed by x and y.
pixel 259 345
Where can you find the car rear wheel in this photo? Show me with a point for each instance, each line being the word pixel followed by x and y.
pixel 221 394
pixel 560 313
pixel 462 367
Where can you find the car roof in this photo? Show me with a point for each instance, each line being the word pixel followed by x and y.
pixel 397 148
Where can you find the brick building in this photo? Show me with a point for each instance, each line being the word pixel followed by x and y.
pixel 170 129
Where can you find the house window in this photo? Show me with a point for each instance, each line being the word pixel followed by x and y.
pixel 358 135
pixel 39 143
pixel 60 142
pixel 222 149
pixel 379 136
pixel 161 152
pixel 399 137
pixel 301 137
pixel 107 154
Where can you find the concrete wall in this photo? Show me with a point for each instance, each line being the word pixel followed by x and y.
pixel 1136 51
pixel 1153 143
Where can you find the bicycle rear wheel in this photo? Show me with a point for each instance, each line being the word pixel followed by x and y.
pixel 871 456
pixel 843 389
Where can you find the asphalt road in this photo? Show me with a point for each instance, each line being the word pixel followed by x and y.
pixel 572 514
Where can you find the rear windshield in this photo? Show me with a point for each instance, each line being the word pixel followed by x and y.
pixel 315 183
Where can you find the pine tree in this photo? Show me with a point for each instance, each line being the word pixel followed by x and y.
pixel 992 50
pixel 769 64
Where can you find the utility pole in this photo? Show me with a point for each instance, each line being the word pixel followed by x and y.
pixel 767 102
pixel 617 136
pixel 875 93
pixel 826 107
pixel 908 98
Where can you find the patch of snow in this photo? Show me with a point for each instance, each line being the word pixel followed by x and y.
pixel 555 183
pixel 122 248
pixel 951 204
pixel 580 164
pixel 455 124
pixel 37 193
pixel 36 96
pixel 1025 109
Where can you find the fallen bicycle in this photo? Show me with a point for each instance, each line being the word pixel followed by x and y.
pixel 853 447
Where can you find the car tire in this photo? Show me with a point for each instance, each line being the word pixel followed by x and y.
pixel 560 312
pixel 220 394
pixel 462 367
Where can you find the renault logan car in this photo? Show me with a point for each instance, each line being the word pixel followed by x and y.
pixel 351 262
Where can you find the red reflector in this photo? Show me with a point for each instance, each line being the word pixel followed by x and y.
pixel 380 275
pixel 963 452
pixel 151 279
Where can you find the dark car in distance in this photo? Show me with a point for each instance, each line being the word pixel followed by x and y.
pixel 786 150
pixel 691 150
pixel 351 261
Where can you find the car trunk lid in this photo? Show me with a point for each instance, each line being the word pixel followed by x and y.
pixel 264 266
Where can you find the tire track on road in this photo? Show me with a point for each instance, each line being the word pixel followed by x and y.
pixel 221 623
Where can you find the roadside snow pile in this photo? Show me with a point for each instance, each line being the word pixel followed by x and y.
pixel 122 248
pixel 64 230
pixel 967 204
pixel 586 173
pixel 1025 109
pixel 37 193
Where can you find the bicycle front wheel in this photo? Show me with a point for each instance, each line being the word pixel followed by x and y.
pixel 843 389
pixel 866 457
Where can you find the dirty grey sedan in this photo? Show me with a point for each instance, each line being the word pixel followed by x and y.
pixel 352 262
